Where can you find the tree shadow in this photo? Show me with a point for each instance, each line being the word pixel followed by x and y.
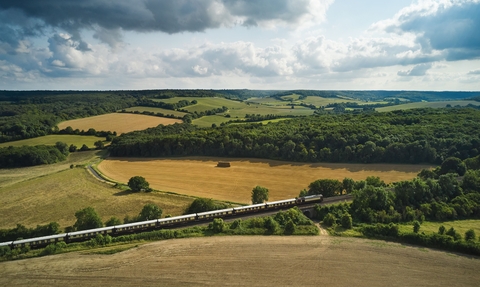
pixel 123 192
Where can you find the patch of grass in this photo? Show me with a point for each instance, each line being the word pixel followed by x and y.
pixel 156 110
pixel 57 196
pixel 461 226
pixel 76 140
pixel 418 105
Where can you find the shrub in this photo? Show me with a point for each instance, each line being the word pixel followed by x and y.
pixel 329 220
pixel 416 226
pixel 290 227
pixel 346 221
pixel 470 235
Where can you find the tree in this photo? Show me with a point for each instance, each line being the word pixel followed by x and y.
pixel 204 204
pixel 271 224
pixel 99 144
pixel 84 148
pixel 217 226
pixel 113 221
pixel 441 230
pixel 150 211
pixel 259 194
pixel 348 185
pixel 346 221
pixel 62 147
pixel 326 187
pixel 290 227
pixel 416 226
pixel 329 219
pixel 138 183
pixel 453 165
pixel 470 235
pixel 72 148
pixel 87 218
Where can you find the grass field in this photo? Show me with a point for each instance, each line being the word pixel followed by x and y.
pixel 52 139
pixel 461 226
pixel 57 196
pixel 199 176
pixel 250 261
pixel 15 175
pixel 419 105
pixel 156 110
pixel 204 104
pixel 118 122
pixel 310 100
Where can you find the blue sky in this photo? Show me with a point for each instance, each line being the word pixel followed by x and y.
pixel 237 44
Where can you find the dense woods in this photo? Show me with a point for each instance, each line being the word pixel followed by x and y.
pixel 33 114
pixel 32 155
pixel 414 136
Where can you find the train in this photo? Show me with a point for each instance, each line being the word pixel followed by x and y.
pixel 161 223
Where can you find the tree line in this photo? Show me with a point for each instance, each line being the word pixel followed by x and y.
pixel 414 136
pixel 32 155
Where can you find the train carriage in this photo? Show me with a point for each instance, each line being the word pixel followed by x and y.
pixel 39 241
pixel 177 220
pixel 215 213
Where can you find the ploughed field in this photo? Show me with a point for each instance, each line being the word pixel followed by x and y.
pixel 118 122
pixel 250 261
pixel 199 176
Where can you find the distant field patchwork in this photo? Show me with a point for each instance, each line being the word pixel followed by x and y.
pixel 199 176
pixel 118 122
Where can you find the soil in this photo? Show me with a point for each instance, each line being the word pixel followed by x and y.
pixel 250 261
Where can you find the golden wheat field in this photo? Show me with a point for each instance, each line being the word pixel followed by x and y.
pixel 199 176
pixel 118 122
pixel 250 261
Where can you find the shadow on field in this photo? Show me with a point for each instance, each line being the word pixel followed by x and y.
pixel 123 192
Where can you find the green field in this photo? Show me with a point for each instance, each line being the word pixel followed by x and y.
pixel 52 139
pixel 419 105
pixel 309 100
pixel 461 226
pixel 156 110
pixel 205 104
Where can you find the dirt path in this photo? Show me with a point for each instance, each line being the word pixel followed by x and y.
pixel 250 261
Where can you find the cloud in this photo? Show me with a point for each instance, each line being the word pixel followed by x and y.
pixel 448 25
pixel 475 72
pixel 418 70
pixel 107 17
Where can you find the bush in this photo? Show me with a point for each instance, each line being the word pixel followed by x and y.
pixel 217 226
pixel 290 227
pixel 416 226
pixel 346 221
pixel 329 220
pixel 271 225
pixel 236 224
pixel 470 235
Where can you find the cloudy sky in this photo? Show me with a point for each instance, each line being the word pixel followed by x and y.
pixel 236 44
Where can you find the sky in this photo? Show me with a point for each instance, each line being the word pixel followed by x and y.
pixel 240 44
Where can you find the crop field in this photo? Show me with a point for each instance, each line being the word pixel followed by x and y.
pixel 460 226
pixel 118 122
pixel 52 139
pixel 199 176
pixel 419 105
pixel 57 196
pixel 156 110
pixel 250 261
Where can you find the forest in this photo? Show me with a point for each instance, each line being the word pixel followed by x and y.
pixel 414 136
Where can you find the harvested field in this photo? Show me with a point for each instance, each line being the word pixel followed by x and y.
pixel 199 176
pixel 250 261
pixel 57 196
pixel 118 122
